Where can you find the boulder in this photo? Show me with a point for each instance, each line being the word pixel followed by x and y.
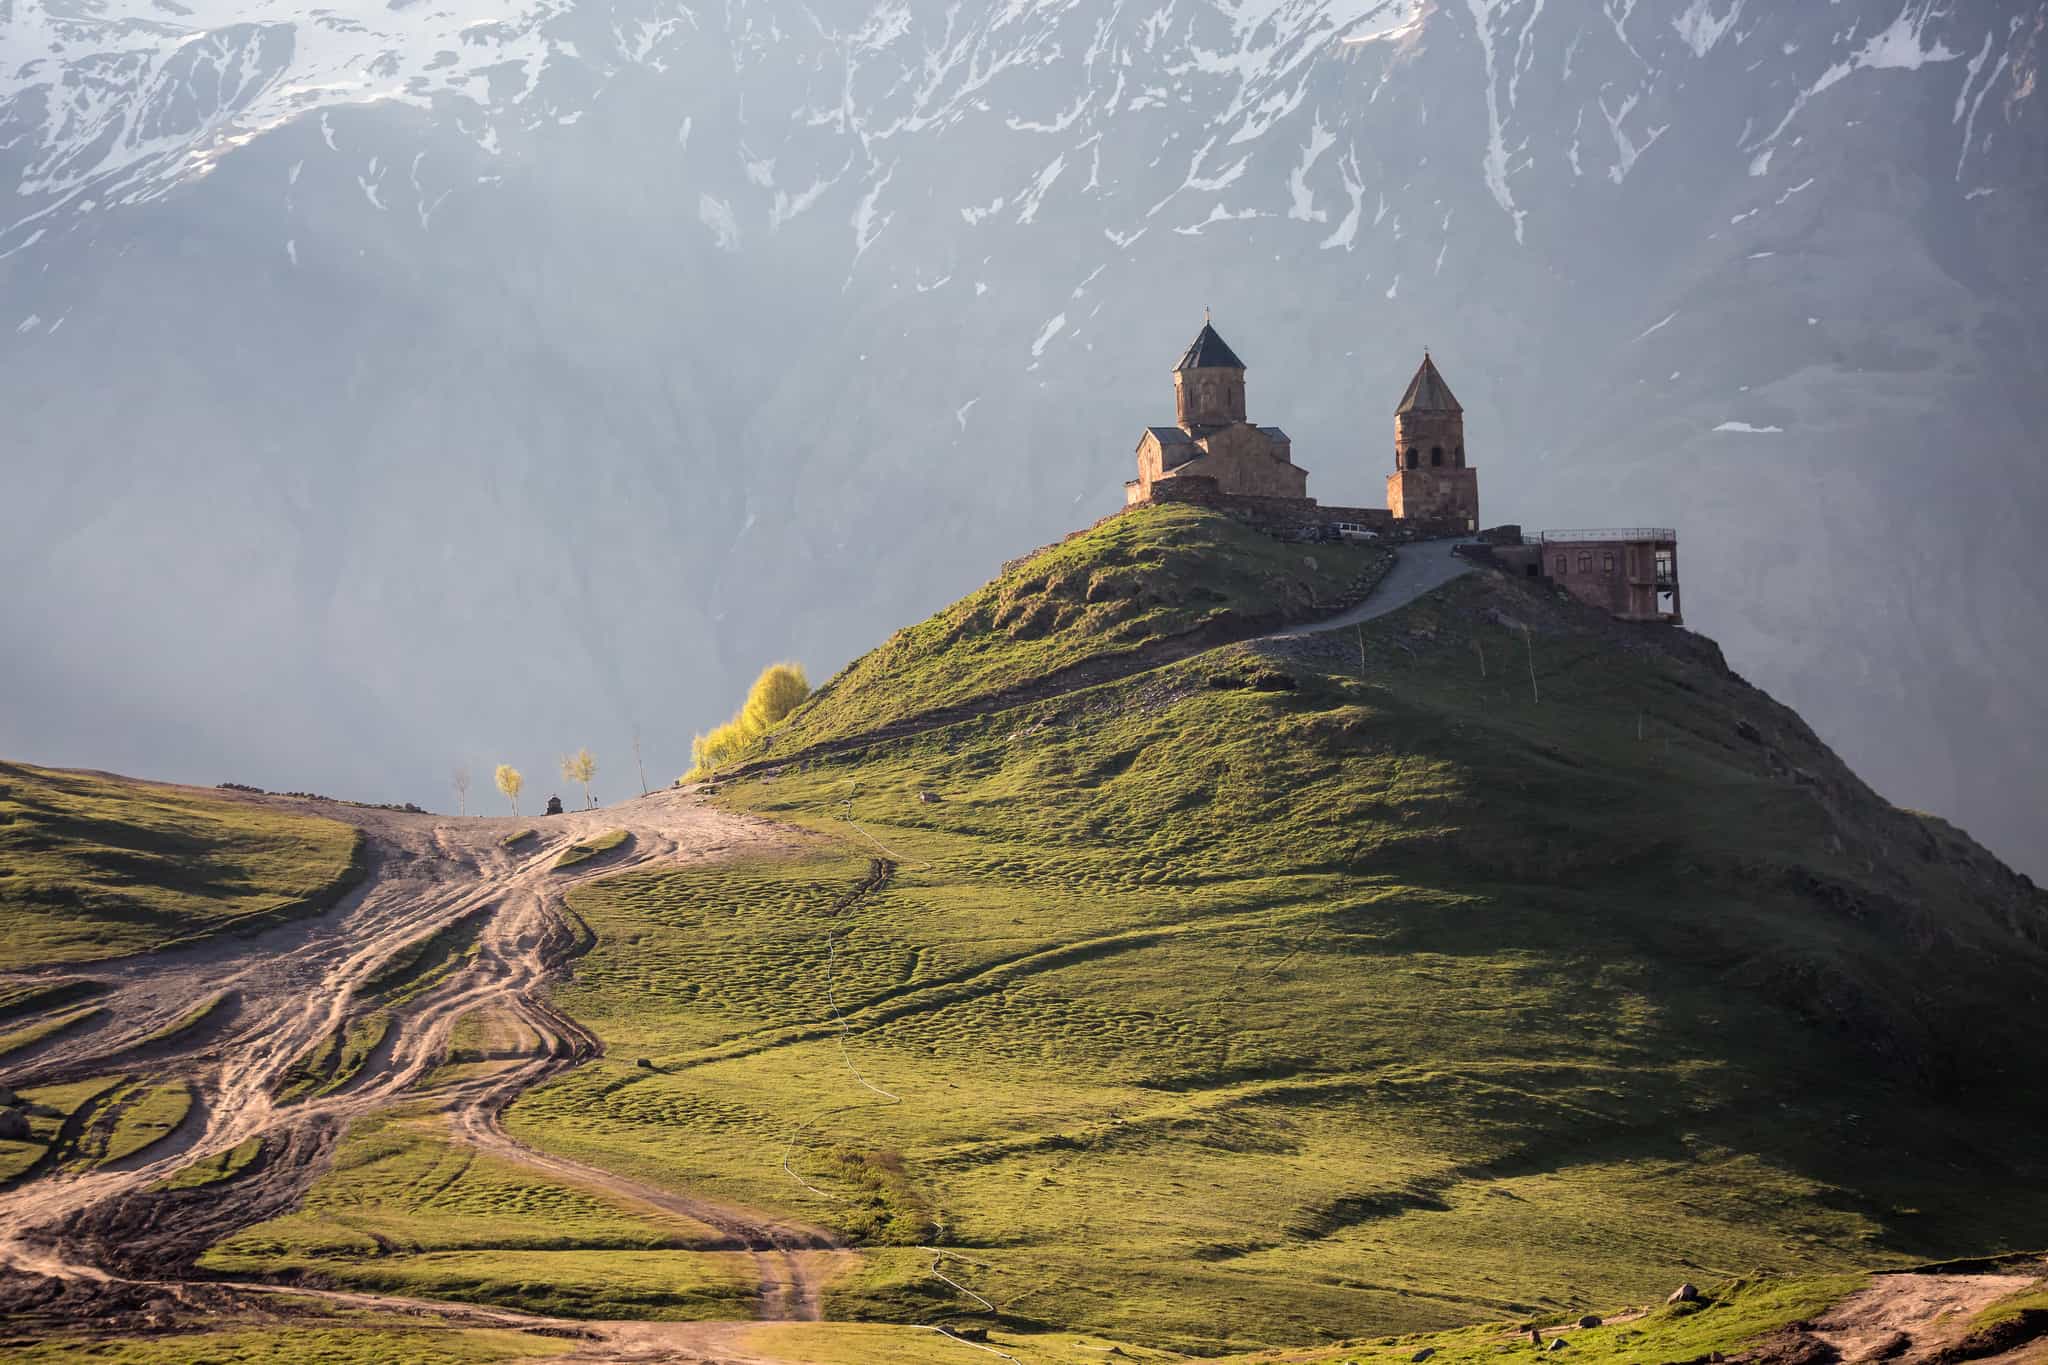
pixel 1424 1354
pixel 1590 1320
pixel 1556 1344
pixel 1685 1293
pixel 1273 681
pixel 14 1126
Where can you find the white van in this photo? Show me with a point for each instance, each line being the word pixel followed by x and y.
pixel 1351 530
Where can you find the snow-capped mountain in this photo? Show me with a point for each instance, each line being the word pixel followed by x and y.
pixel 373 369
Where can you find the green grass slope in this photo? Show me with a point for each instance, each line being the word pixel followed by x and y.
pixel 1147 579
pixel 406 1211
pixel 1210 1017
pixel 94 867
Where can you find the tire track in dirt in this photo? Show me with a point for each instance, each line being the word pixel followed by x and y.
pixel 300 984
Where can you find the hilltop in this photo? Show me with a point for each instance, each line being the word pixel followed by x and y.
pixel 1094 966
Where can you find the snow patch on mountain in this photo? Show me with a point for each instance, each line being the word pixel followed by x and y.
pixel 119 104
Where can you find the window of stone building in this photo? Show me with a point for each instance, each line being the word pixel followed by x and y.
pixel 1560 566
pixel 1607 563
pixel 1436 455
pixel 1458 457
pixel 1585 561
pixel 1412 459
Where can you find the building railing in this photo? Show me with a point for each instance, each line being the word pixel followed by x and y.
pixel 1621 533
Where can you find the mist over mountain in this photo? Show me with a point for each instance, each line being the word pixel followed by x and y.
pixel 393 386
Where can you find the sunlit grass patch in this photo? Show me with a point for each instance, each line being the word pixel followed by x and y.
pixel 405 1210
pixel 663 1285
pixel 55 1026
pixel 210 1010
pixel 1145 576
pixel 147 1118
pixel 94 867
pixel 214 1169
pixel 583 850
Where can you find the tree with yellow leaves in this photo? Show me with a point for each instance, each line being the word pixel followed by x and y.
pixel 581 767
pixel 509 782
pixel 779 690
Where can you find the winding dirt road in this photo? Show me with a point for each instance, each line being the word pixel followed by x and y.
pixel 285 991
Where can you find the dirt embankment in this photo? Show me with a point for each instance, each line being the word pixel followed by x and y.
pixel 1919 1318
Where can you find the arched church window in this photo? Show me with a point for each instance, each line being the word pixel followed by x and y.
pixel 1413 459
pixel 1436 455
pixel 1460 457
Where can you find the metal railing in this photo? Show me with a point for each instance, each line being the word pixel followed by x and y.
pixel 1609 534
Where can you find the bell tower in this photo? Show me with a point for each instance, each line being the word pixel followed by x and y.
pixel 1431 480
pixel 1208 384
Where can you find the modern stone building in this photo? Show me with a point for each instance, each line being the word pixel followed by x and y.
pixel 1431 481
pixel 1212 439
pixel 1631 573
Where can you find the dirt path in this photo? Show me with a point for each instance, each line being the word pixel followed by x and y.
pixel 295 985
pixel 1419 568
pixel 1911 1317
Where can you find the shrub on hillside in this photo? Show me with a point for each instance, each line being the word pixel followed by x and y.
pixel 779 690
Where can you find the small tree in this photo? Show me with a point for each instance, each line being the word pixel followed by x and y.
pixel 509 782
pixel 580 767
pixel 462 789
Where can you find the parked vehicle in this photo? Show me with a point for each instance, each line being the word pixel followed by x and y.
pixel 1351 530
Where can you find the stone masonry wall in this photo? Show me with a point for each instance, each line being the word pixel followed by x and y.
pixel 1436 494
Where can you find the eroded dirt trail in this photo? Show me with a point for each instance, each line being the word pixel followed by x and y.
pixel 289 990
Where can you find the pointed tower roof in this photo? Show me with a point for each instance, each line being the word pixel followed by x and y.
pixel 1209 352
pixel 1427 391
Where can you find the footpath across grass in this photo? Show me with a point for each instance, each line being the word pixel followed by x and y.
pixel 94 867
pixel 406 1211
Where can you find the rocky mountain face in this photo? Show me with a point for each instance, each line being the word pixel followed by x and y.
pixel 393 385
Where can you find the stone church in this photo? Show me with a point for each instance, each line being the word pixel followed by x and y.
pixel 1212 438
pixel 1215 457
pixel 1216 448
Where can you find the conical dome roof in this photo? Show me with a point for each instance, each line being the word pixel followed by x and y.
pixel 1427 391
pixel 1209 352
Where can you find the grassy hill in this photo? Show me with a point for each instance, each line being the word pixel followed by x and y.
pixel 94 867
pixel 1320 988
pixel 1156 582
